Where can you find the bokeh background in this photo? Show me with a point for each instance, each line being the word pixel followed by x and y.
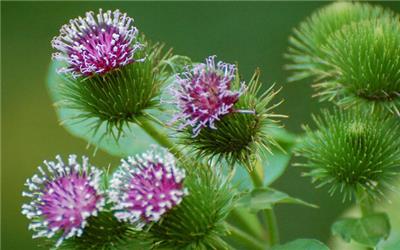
pixel 254 34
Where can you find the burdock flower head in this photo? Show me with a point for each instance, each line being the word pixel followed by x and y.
pixel 63 196
pixel 146 187
pixel 112 76
pixel 97 43
pixel 223 117
pixel 203 94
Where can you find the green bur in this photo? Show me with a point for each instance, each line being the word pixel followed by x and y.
pixel 306 51
pixel 364 62
pixel 353 152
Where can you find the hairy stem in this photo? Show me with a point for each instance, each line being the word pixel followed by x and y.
pixel 268 214
pixel 160 137
pixel 244 238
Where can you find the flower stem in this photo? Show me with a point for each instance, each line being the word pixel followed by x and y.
pixel 245 224
pixel 244 238
pixel 160 137
pixel 268 214
pixel 366 207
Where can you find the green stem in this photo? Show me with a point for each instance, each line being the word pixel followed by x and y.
pixel 245 224
pixel 366 208
pixel 160 137
pixel 272 226
pixel 268 214
pixel 244 238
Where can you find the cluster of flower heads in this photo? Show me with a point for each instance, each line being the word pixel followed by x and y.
pixel 146 187
pixel 96 45
pixel 203 94
pixel 66 195
pixel 62 197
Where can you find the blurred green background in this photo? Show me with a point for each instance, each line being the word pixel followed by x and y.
pixel 254 34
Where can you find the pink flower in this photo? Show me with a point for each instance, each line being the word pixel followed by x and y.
pixel 203 94
pixel 62 198
pixel 98 45
pixel 144 188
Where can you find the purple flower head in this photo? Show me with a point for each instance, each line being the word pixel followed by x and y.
pixel 146 187
pixel 203 94
pixel 62 197
pixel 92 45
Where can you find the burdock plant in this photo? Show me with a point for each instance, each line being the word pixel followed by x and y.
pixel 190 191
pixel 352 52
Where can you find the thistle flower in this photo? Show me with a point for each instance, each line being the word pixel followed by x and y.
pixel 364 59
pixel 199 221
pixel 63 198
pixel 204 95
pixel 146 187
pixel 306 51
pixel 238 135
pixel 96 44
pixel 352 152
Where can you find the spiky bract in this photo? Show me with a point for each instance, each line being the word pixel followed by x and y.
pixel 306 50
pixel 239 136
pixel 198 222
pixel 104 232
pixel 122 95
pixel 364 62
pixel 353 151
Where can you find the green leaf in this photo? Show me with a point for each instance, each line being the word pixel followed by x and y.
pixel 266 198
pixel 274 164
pixel 392 245
pixel 368 230
pixel 302 244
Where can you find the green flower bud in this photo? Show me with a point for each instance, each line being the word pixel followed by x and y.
pixel 364 62
pixel 307 43
pixel 352 152
pixel 198 222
